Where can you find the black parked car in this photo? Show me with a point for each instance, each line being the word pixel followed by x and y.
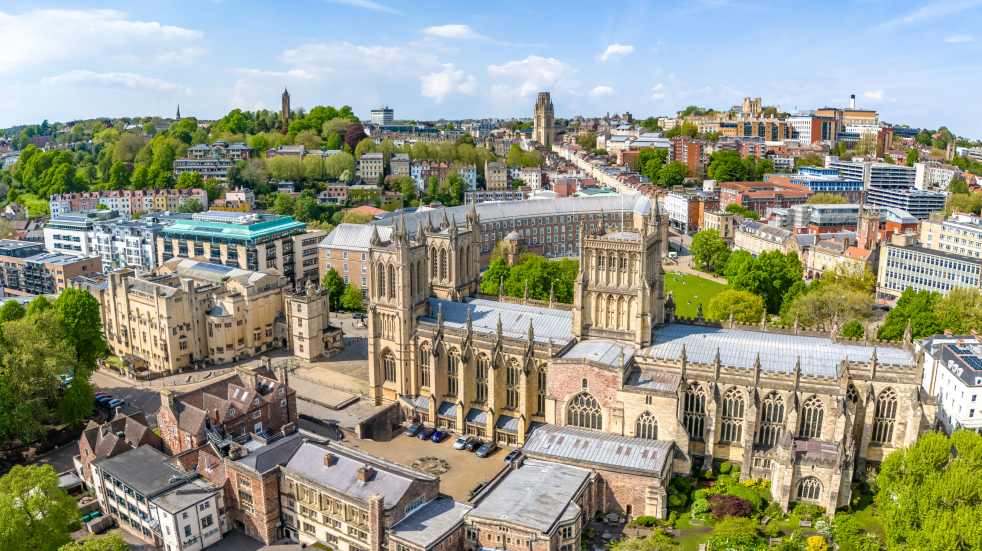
pixel 474 444
pixel 425 433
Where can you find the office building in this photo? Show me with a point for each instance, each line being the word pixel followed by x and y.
pixel 822 180
pixel 212 161
pixel 874 174
pixel 26 269
pixel 919 203
pixel 544 125
pixel 73 233
pixel 399 164
pixel 905 264
pixel 127 202
pixel 953 376
pixel 484 196
pixel 383 115
pixel 371 167
pixel 959 234
pixel 251 241
pixel 760 196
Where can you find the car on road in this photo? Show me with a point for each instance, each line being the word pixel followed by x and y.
pixel 461 442
pixel 413 429
pixel 474 444
pixel 425 433
pixel 439 435
pixel 359 316
pixel 512 455
pixel 487 449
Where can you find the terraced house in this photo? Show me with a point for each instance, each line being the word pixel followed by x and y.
pixel 805 411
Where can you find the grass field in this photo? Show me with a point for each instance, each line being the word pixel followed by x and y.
pixel 689 291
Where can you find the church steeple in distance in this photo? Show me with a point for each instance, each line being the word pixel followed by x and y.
pixel 178 111
pixel 285 109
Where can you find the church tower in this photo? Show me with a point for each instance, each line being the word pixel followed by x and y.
pixel 285 109
pixel 454 255
pixel 619 291
pixel 544 129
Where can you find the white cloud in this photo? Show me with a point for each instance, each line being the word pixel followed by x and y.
pixel 49 36
pixel 602 91
pixel 130 81
pixel 450 80
pixel 875 95
pixel 658 91
pixel 295 74
pixel 932 10
pixel 615 50
pixel 369 5
pixel 959 39
pixel 342 57
pixel 527 76
pixel 458 31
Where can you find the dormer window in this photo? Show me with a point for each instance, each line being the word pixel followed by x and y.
pixel 231 412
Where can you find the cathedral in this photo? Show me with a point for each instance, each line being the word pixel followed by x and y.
pixel 808 412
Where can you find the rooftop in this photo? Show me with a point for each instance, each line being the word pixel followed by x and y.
pixel 602 351
pixel 182 497
pixel 431 522
pixel 145 469
pixel 234 226
pixel 548 324
pixel 602 449
pixel 961 355
pixel 536 496
pixel 271 455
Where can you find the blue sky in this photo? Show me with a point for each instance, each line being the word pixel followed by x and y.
pixel 917 62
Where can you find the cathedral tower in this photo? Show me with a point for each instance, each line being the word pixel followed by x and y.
pixel 544 128
pixel 619 291
pixel 285 109
pixel 454 255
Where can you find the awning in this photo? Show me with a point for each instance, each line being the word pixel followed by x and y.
pixel 418 403
pixel 447 410
pixel 477 417
pixel 507 423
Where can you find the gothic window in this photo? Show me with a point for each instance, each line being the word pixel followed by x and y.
pixel 812 413
pixel 443 264
pixel 412 279
pixel 424 365
pixel 771 420
pixel 852 394
pixel 389 367
pixel 694 412
pixel 584 411
pixel 380 281
pixel 600 262
pixel 512 380
pixel 731 424
pixel 809 489
pixel 420 277
pixel 540 402
pixel 610 312
pixel 392 282
pixel 453 372
pixel 646 426
pixel 433 261
pixel 884 417
pixel 483 366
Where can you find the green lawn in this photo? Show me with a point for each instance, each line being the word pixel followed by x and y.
pixel 689 291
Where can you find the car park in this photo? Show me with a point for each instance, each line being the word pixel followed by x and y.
pixel 461 442
pixel 512 455
pixel 439 435
pixel 425 433
pixel 487 449
pixel 413 429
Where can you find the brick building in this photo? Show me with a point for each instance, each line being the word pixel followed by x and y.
pixel 760 196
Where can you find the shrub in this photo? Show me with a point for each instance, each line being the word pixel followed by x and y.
pixel 808 511
pixel 725 468
pixel 700 507
pixel 677 500
pixel 745 493
pixel 702 493
pixel 758 484
pixel 681 485
pixel 730 506
pixel 734 533
pixel 816 543
pixel 644 521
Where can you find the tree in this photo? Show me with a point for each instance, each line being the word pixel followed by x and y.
pixel 587 140
pixel 823 305
pixel 366 145
pixel 734 533
pixel 309 139
pixel 109 542
pixel 79 315
pixel 916 308
pixel 826 199
pixel 741 210
pixel 336 164
pixel 812 159
pixel 913 155
pixel 688 129
pixel 959 311
pixel 709 251
pixel 11 310
pixel 929 495
pixel 853 329
pixel 770 275
pixel 352 298
pixel 35 514
pixel 191 205
pixel 958 185
pixel 283 204
pixel 285 168
pixel 354 134
pixel 673 174
pixel 816 543
pixel 745 307
pixel 723 506
pixel 189 180
pixel 333 283
pixel 650 124
pixel 655 541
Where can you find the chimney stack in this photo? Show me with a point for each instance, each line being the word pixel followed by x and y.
pixel 365 473
pixel 330 459
pixel 852 101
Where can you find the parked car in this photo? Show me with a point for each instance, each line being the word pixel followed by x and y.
pixel 439 435
pixel 100 393
pixel 512 455
pixel 461 442
pixel 474 444
pixel 113 404
pixel 487 449
pixel 425 433
pixel 413 429
pixel 104 400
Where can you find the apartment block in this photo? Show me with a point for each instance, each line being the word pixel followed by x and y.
pixel 905 264
pixel 495 175
pixel 122 243
pixel 127 202
pixel 73 233
pixel 934 175
pixel 212 161
pixel 953 376
pixel 26 269
pixel 691 152
pixel 371 167
pixel 760 196
pixel 251 241
pixel 399 165
pixel 959 234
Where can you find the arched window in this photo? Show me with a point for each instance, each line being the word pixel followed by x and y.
pixel 443 264
pixel 731 423
pixel 483 366
pixel 392 281
pixel 389 367
pixel 809 489
pixel 694 412
pixel 380 281
pixel 852 394
pixel 453 373
pixel 412 279
pixel 420 277
pixel 540 399
pixel 771 420
pixel 512 381
pixel 646 426
pixel 812 413
pixel 584 411
pixel 884 417
pixel 424 365
pixel 433 263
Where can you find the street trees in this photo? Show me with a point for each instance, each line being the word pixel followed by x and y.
pixel 35 514
pixel 351 299
pixel 334 283
pixel 709 251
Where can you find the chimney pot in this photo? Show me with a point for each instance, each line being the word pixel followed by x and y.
pixel 330 459
pixel 365 473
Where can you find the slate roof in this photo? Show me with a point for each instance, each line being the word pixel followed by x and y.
pixel 187 495
pixel 602 351
pixel 145 469
pixel 547 323
pixel 653 379
pixel 272 455
pixel 215 399
pixel 354 237
pixel 606 450
pixel 432 522
pixel 778 352
pixel 105 440
pixel 535 496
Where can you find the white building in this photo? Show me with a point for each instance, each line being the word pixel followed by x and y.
pixel 122 243
pixel 532 176
pixel 953 375
pixel 73 232
pixel 933 175
pixel 383 115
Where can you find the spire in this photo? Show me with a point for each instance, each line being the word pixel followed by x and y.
pixel 501 289
pixel 498 327
pixel 531 332
pixel 375 240
pixel 763 321
pixel 757 369
pixel 446 221
pixel 472 216
pixel 552 293
pixel 439 314
pixel 699 312
pixel 684 356
pixel 908 333
pixel 525 296
pixel 420 236
pixel 796 323
pixel 402 226
pixel 797 371
pixel 178 111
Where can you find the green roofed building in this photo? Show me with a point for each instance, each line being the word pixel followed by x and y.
pixel 251 241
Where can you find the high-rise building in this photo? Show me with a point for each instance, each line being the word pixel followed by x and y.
pixel 285 109
pixel 383 115
pixel 544 130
